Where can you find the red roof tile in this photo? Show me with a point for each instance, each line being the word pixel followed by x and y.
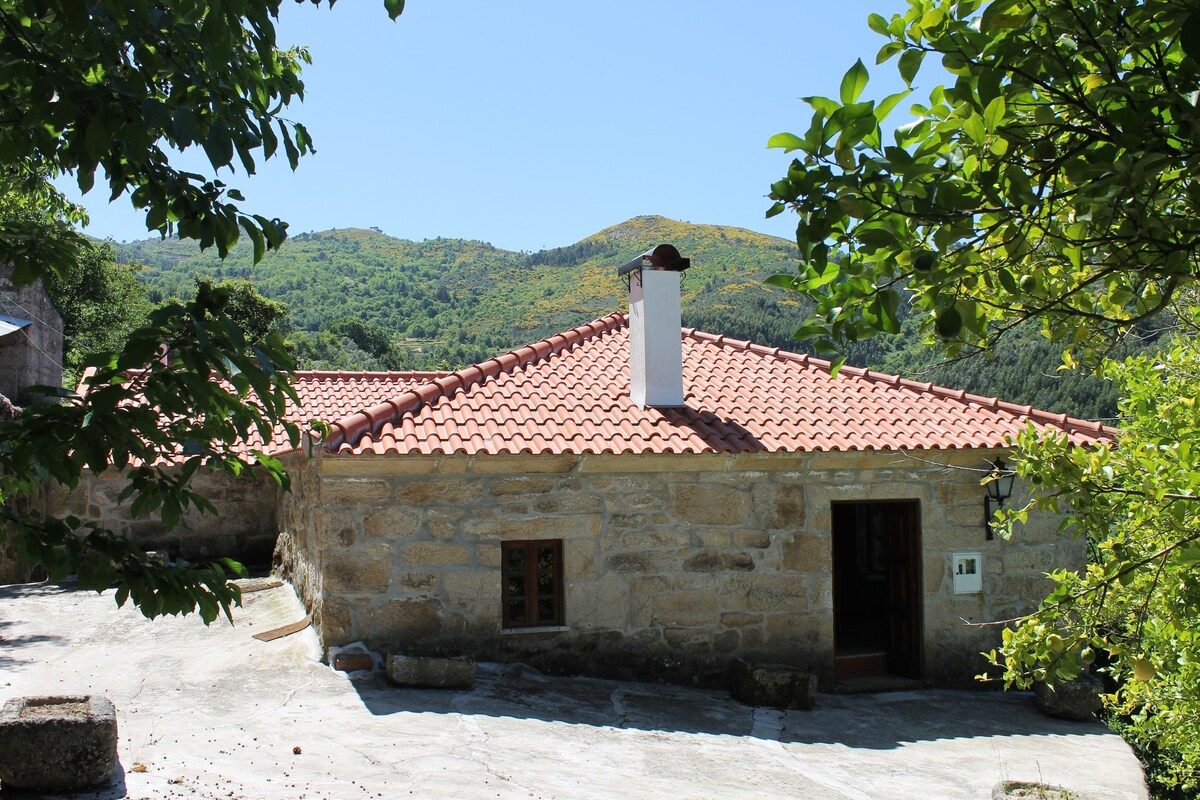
pixel 331 395
pixel 570 394
pixel 324 396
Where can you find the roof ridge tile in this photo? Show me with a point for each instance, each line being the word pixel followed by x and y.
pixel 360 423
pixel 593 402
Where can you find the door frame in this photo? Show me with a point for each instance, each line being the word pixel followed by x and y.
pixel 905 606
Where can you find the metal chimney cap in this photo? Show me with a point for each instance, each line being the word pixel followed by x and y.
pixel 636 263
pixel 664 257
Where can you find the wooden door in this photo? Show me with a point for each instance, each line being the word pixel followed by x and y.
pixel 878 609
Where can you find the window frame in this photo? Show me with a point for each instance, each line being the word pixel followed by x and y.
pixel 530 575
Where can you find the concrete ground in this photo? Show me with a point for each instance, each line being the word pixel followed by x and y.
pixel 213 713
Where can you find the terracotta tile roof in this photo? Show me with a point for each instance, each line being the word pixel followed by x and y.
pixel 570 394
pixel 331 395
pixel 323 395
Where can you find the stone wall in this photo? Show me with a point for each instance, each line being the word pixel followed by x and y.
pixel 12 570
pixel 244 529
pixel 673 564
pixel 33 355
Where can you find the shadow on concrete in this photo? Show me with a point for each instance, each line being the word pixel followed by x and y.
pixel 115 789
pixel 10 645
pixel 876 722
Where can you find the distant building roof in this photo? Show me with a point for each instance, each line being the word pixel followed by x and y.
pixel 570 394
pixel 12 324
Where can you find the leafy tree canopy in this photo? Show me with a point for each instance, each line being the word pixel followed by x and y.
pixel 1133 611
pixel 100 302
pixel 257 316
pixel 1055 178
pixel 113 88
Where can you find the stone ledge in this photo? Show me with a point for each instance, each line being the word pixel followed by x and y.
pixel 1076 699
pixel 431 672
pixel 57 743
pixel 774 685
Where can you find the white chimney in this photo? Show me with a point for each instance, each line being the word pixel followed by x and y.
pixel 655 346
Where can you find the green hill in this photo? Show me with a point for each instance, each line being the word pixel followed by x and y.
pixel 452 302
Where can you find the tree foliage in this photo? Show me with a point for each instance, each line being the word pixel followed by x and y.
pixel 258 317
pixel 180 395
pixel 1055 178
pixel 100 302
pixel 115 89
pixel 1136 605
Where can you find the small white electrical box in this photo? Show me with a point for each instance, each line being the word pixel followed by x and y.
pixel 968 572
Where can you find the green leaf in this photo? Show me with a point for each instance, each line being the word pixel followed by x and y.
pixel 887 51
pixel 260 247
pixel 974 128
pixel 394 7
pixel 1007 281
pixel 912 131
pixel 886 302
pixel 909 64
pixel 218 146
pixel 817 280
pixel 1189 36
pixel 1004 14
pixel 853 83
pixel 878 24
pixel 95 140
pixel 293 154
pixel 993 115
pixel 183 125
pixel 888 103
pixel 822 104
pixel 787 141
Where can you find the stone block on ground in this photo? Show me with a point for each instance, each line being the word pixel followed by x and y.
pixel 774 685
pixel 431 672
pixel 59 743
pixel 1076 699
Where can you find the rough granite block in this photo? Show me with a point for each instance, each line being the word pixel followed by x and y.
pixel 57 743
pixel 1077 699
pixel 774 685
pixel 430 672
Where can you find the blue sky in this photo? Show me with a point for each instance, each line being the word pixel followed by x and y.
pixel 534 124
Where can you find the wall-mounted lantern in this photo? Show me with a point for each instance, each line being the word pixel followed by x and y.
pixel 999 488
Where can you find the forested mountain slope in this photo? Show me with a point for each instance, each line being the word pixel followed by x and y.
pixel 451 302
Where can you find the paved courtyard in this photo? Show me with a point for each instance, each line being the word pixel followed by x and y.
pixel 214 713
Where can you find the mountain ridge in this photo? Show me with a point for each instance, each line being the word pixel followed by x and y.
pixel 445 303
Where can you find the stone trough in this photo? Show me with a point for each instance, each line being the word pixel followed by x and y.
pixel 57 743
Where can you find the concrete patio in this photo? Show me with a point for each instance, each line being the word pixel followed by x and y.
pixel 213 713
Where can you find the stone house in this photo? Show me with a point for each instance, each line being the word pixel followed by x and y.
pixel 630 499
pixel 31 340
pixel 31 352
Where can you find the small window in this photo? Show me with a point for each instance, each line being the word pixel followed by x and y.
pixel 533 585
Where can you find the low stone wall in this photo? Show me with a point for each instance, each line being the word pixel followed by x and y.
pixel 673 565
pixel 11 568
pixel 244 528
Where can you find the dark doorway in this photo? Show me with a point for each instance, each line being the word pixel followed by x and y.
pixel 877 590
